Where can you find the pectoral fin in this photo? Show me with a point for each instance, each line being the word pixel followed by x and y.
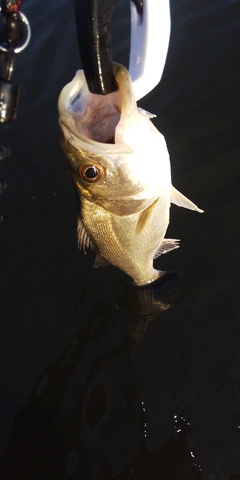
pixel 166 246
pixel 179 199
pixel 84 241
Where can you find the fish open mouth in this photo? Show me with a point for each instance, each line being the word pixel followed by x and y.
pixel 103 130
pixel 105 119
pixel 96 116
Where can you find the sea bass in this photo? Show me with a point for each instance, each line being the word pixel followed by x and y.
pixel 120 168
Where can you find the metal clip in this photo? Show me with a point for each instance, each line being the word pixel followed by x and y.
pixel 7 61
pixel 9 93
pixel 14 38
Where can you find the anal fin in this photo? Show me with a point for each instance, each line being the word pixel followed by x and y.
pixel 181 201
pixel 166 246
pixel 100 261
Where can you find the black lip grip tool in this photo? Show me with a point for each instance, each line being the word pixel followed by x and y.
pixel 150 32
pixel 93 22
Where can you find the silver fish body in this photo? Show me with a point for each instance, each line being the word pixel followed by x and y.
pixel 120 168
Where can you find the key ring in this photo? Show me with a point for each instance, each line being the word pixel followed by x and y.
pixel 27 39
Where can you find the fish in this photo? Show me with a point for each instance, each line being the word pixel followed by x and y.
pixel 120 168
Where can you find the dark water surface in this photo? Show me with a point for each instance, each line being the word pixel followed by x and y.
pixel 98 380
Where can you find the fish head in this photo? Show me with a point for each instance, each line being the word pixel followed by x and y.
pixel 110 145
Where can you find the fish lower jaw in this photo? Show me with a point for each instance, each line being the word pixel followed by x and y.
pixel 150 278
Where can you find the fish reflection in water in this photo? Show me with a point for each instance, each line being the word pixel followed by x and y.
pixel 120 168
pixel 144 303
pixel 85 417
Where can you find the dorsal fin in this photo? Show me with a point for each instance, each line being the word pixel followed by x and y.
pixel 166 246
pixel 84 241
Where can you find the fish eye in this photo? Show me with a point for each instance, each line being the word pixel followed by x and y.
pixel 90 173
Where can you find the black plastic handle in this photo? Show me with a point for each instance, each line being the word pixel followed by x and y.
pixel 93 21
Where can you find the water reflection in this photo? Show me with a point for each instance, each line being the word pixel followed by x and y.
pixel 143 304
pixel 85 416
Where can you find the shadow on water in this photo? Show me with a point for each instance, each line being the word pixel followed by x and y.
pixel 85 416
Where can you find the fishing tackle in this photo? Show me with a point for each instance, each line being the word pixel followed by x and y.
pixel 14 37
pixel 150 32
